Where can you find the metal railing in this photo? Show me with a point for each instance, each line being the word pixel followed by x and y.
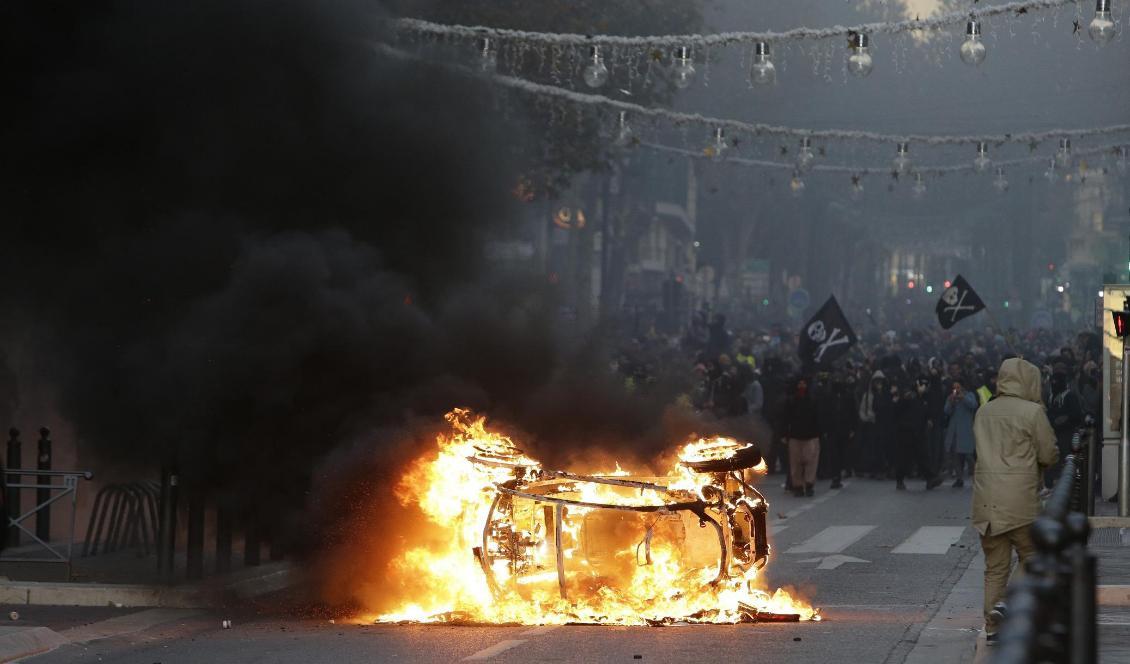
pixel 1052 610
pixel 48 491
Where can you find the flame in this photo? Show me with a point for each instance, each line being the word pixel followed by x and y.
pixel 617 567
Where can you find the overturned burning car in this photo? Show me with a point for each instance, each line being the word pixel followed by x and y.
pixel 553 546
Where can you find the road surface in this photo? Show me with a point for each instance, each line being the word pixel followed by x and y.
pixel 895 574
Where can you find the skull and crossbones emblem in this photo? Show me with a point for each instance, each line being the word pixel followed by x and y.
pixel 817 332
pixel 950 296
pixel 955 298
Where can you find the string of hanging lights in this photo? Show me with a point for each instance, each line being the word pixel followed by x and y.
pixel 859 60
pixel 1118 150
pixel 624 134
pixel 680 118
pixel 939 22
pixel 918 175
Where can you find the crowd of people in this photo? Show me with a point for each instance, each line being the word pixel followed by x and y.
pixel 899 406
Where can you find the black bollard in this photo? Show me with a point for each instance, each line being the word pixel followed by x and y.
pixel 194 558
pixel 15 461
pixel 43 516
pixel 223 536
pixel 167 527
pixel 251 540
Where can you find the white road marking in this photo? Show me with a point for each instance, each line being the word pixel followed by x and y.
pixel 498 648
pixel 811 503
pixel 832 539
pixel 834 561
pixel 538 631
pixel 931 539
pixel 775 528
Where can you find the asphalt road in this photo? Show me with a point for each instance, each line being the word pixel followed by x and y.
pixel 880 563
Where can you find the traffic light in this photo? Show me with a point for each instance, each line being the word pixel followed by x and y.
pixel 1121 322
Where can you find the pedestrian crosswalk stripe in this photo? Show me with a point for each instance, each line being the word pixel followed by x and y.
pixel 832 539
pixel 775 528
pixel 931 539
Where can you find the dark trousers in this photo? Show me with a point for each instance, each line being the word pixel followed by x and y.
pixel 911 450
pixel 866 448
pixel 835 453
pixel 778 454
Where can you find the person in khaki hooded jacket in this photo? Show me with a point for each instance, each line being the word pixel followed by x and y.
pixel 1014 443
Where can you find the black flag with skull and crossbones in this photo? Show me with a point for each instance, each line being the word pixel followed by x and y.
pixel 826 336
pixel 957 302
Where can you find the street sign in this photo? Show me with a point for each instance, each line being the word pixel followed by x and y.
pixel 799 299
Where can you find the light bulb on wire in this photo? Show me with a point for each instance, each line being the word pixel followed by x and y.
pixel 488 58
pixel 901 162
pixel 762 71
pixel 1101 28
pixel 596 74
pixel 718 147
pixel 918 189
pixel 1063 154
pixel 805 156
pixel 683 70
pixel 624 133
pixel 1050 174
pixel 856 187
pixel 1000 182
pixel 982 161
pixel 859 61
pixel 796 185
pixel 972 49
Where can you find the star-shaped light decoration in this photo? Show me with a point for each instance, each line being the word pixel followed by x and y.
pixel 784 150
pixel 1032 145
pixel 895 175
pixel 855 180
pixel 1075 26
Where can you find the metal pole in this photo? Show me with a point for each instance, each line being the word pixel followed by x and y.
pixel 15 461
pixel 166 559
pixel 1124 439
pixel 43 516
pixel 1092 468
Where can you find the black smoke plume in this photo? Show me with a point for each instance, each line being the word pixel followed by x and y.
pixel 250 245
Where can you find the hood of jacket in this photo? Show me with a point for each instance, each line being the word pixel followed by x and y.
pixel 1019 378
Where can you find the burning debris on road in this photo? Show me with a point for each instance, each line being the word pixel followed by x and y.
pixel 530 545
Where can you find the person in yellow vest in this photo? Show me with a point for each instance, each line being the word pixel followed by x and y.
pixel 985 389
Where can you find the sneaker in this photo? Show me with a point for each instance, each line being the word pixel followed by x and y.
pixel 992 639
pixel 998 613
pixel 900 486
pixel 809 490
pixel 958 483
pixel 934 482
pixel 836 484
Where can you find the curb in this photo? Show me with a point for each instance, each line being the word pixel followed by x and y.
pixel 85 594
pixel 267 580
pixel 19 642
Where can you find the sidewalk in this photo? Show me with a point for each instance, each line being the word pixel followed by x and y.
pixel 38 616
pixel 1111 546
